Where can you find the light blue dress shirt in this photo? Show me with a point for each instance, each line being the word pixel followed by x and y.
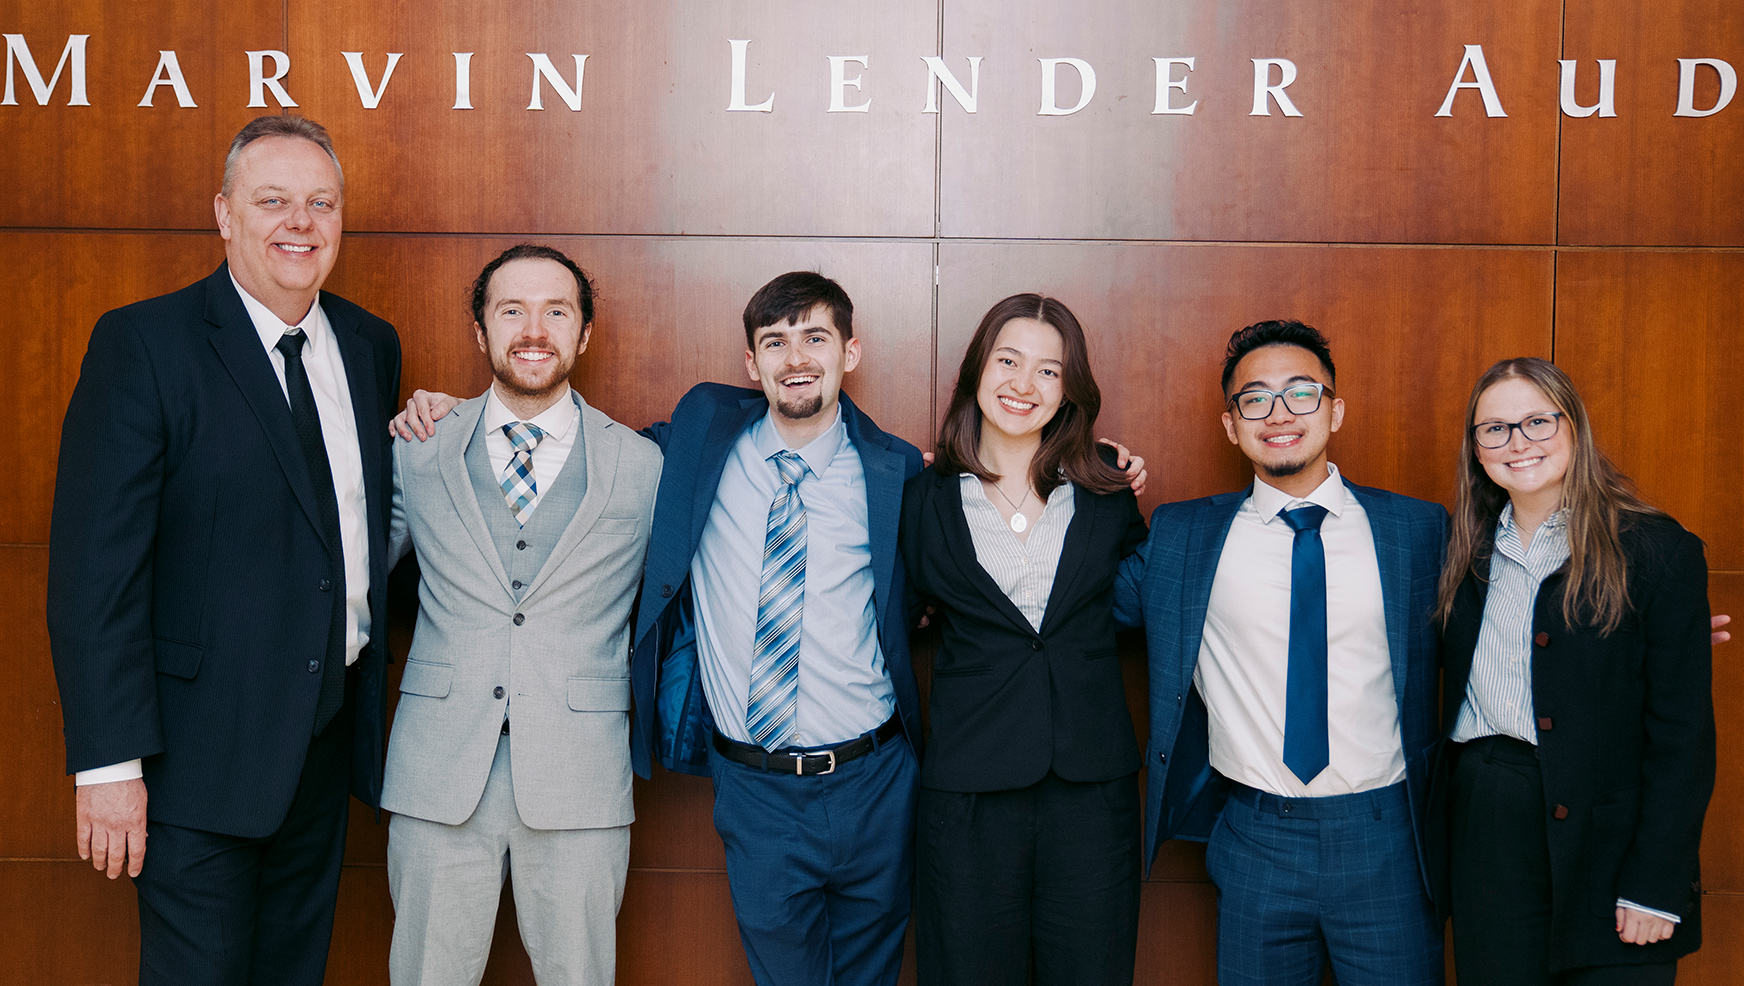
pixel 844 689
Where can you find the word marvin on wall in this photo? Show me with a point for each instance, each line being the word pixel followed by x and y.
pixel 1172 74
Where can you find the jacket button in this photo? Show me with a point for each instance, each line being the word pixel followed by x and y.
pixel 497 692
pixel 1545 724
pixel 326 584
pixel 1561 812
pixel 1542 640
pixel 1162 757
pixel 516 584
pixel 665 592
pixel 314 666
pixel 520 618
pixel 1035 645
pixel 520 546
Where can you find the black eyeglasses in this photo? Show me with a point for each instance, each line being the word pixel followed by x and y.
pixel 1299 398
pixel 1537 428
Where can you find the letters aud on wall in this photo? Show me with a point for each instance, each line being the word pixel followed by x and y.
pixel 562 76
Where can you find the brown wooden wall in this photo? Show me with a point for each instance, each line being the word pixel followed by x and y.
pixel 1425 247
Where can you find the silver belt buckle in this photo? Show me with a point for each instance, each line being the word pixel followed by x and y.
pixel 799 763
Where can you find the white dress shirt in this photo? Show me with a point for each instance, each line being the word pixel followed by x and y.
pixel 557 422
pixel 1243 663
pixel 325 369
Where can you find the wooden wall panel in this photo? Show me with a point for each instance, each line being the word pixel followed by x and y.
pixel 114 164
pixel 1159 316
pixel 1651 339
pixel 36 815
pixel 1722 953
pixel 66 924
pixel 652 149
pixel 60 284
pixel 668 315
pixel 1366 161
pixel 1177 935
pixel 1647 176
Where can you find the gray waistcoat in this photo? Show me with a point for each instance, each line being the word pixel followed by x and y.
pixel 557 505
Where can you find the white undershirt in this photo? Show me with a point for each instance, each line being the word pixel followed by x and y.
pixel 1243 665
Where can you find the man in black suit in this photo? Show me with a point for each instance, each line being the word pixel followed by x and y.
pixel 217 575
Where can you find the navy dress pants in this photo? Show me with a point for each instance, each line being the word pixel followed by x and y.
pixel 821 867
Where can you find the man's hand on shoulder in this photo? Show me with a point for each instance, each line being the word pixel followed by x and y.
pixel 111 826
pixel 419 418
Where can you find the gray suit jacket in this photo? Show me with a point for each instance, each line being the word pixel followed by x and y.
pixel 559 655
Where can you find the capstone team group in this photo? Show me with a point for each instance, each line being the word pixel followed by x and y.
pixel 1374 714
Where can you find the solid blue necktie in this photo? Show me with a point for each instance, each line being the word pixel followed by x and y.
pixel 1306 751
pixel 771 708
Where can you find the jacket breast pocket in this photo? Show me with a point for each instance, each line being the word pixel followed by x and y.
pixel 615 525
pixel 599 694
pixel 174 658
pixel 427 678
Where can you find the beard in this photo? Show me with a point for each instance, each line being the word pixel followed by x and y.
pixel 799 408
pixel 1283 470
pixel 530 381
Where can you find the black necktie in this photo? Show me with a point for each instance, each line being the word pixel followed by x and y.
pixel 307 422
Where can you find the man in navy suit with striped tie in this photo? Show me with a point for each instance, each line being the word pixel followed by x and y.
pixel 1292 687
pixel 773 619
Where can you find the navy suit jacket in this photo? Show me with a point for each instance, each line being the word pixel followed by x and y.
pixel 188 573
pixel 1166 587
pixel 704 426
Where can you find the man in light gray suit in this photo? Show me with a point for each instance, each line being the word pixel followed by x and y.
pixel 530 514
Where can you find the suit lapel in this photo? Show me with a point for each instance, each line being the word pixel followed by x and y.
pixel 961 544
pixel 1206 536
pixel 239 349
pixel 1077 544
pixel 451 442
pixel 724 426
pixel 600 449
pixel 883 471
pixel 360 379
pixel 1393 553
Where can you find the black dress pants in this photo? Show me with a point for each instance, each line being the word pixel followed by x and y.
pixel 222 910
pixel 1047 873
pixel 1501 876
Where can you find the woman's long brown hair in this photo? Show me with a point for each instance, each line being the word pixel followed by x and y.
pixel 1068 445
pixel 1596 500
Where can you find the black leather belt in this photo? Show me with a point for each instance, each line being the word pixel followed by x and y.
pixel 807 762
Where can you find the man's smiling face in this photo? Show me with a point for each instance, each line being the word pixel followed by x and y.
pixel 532 328
pixel 281 222
pixel 800 366
pixel 1283 444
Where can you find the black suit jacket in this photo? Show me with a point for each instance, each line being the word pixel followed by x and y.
pixel 1010 703
pixel 1625 744
pixel 186 558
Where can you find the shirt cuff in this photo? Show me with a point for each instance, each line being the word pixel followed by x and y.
pixel 131 770
pixel 1674 919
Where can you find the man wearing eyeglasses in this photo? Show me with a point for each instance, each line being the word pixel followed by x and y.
pixel 1292 687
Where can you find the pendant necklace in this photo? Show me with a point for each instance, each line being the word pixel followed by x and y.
pixel 1019 523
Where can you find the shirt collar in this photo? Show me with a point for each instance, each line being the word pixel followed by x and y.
pixel 1268 500
pixel 270 327
pixel 817 453
pixel 1505 523
pixel 555 421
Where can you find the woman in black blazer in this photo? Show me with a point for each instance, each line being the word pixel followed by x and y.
pixel 1578 699
pixel 1028 839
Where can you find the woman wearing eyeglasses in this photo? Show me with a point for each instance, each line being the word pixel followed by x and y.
pixel 1577 700
pixel 1028 824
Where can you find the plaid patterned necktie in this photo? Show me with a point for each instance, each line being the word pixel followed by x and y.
pixel 771 710
pixel 519 487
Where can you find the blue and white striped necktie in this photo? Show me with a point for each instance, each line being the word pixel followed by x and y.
pixel 772 708
pixel 519 487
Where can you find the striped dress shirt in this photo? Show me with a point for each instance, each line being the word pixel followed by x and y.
pixel 1023 570
pixel 1498 696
